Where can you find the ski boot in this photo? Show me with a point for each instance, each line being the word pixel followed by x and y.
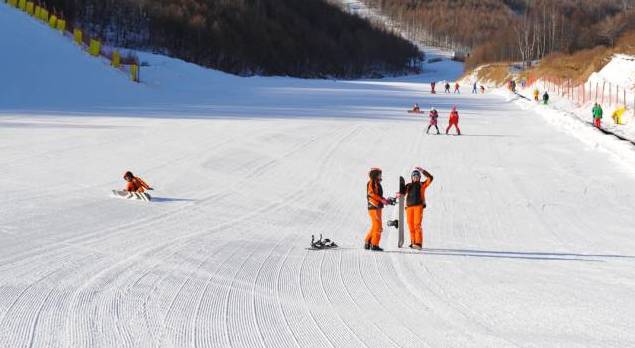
pixel 376 248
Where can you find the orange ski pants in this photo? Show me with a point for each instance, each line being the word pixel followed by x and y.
pixel 414 216
pixel 374 233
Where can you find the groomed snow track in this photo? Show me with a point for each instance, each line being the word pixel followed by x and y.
pixel 528 233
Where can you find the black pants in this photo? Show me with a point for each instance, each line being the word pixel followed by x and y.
pixel 435 126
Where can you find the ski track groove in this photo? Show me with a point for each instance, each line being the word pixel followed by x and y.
pixel 304 298
pixel 278 299
pixel 199 306
pixel 403 310
pixel 138 283
pixel 157 337
pixel 385 309
pixel 327 155
pixel 226 305
pixel 254 305
pixel 186 281
pixel 334 146
pixel 336 222
pixel 278 206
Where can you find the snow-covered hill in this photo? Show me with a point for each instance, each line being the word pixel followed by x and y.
pixel 616 81
pixel 528 231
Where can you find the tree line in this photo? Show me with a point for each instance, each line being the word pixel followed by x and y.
pixel 308 38
pixel 511 30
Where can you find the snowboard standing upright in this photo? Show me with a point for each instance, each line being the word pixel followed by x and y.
pixel 399 222
pixel 402 197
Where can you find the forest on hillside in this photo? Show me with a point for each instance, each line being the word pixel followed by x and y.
pixel 504 30
pixel 308 38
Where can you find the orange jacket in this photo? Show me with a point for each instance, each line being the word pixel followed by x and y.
pixel 374 195
pixel 137 185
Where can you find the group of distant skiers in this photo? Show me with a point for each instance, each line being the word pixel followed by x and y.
pixel 457 87
pixel 415 199
pixel 433 117
pixel 597 112
pixel 545 96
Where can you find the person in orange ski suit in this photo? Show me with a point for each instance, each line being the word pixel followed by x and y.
pixel 376 202
pixel 415 204
pixel 454 121
pixel 135 184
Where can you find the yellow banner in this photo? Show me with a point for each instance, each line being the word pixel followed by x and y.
pixel 95 47
pixel 77 36
pixel 29 8
pixel 61 25
pixel 44 15
pixel 134 73
pixel 116 59
pixel 53 22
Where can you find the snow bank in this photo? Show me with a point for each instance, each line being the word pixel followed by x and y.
pixel 620 71
pixel 567 118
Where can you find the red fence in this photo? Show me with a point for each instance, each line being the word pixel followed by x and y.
pixel 606 93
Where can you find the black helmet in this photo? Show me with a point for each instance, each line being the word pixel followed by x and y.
pixel 128 174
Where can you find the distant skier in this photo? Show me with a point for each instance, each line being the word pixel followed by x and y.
pixel 416 108
pixel 545 98
pixel 415 204
pixel 536 94
pixel 474 89
pixel 447 87
pixel 597 115
pixel 482 89
pixel 135 184
pixel 456 88
pixel 432 86
pixel 618 113
pixel 376 202
pixel 433 115
pixel 454 121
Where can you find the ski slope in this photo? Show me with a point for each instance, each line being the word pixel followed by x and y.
pixel 528 235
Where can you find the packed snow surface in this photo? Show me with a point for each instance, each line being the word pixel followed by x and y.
pixel 620 70
pixel 528 232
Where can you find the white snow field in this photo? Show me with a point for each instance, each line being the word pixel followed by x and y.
pixel 529 232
